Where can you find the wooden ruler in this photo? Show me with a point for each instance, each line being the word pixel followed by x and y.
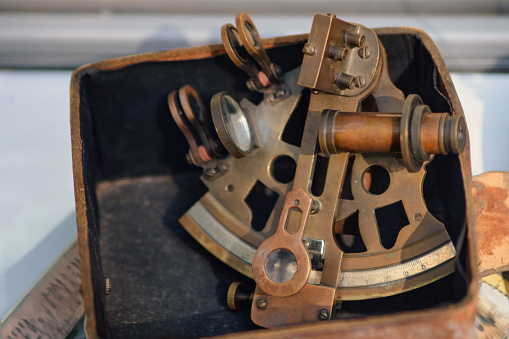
pixel 53 306
pixel 493 307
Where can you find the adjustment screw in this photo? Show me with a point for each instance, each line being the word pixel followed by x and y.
pixel 354 39
pixel 337 53
pixel 364 52
pixel 108 286
pixel 360 81
pixel 332 15
pixel 277 95
pixel 261 303
pixel 237 296
pixel 309 49
pixel 345 81
pixel 323 314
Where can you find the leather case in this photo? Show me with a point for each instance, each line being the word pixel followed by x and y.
pixel 132 183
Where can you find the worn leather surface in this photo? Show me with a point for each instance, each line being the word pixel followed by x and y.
pixel 490 192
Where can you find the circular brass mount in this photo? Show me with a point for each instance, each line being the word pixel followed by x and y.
pixel 231 125
pixel 423 133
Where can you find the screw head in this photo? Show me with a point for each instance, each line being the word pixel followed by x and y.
pixel 306 243
pixel 189 159
pixel 360 81
pixel 315 207
pixel 261 303
pixel 221 167
pixel 210 172
pixel 332 15
pixel 309 49
pixel 250 85
pixel 364 52
pixel 323 314
pixel 277 70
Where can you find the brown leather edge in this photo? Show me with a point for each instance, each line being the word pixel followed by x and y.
pixel 79 195
pixel 188 53
pixel 454 321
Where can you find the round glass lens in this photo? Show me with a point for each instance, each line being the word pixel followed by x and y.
pixel 281 265
pixel 236 123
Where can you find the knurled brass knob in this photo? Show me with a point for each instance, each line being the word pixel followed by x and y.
pixel 230 300
pixel 237 295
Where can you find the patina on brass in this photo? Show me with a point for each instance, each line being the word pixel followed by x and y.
pixel 242 43
pixel 188 111
pixel 231 125
pixel 283 240
pixel 343 64
pixel 444 321
pixel 416 133
pixel 334 65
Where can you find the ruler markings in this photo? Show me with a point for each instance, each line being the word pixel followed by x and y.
pixel 53 306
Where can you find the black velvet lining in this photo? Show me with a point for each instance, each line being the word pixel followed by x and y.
pixel 163 282
pixel 130 104
pixel 90 171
